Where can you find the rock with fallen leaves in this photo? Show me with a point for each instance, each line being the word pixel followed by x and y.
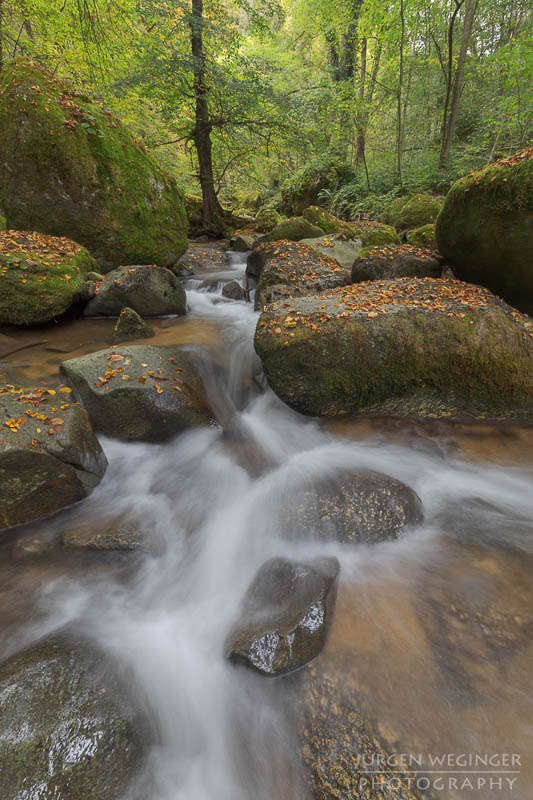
pixel 340 246
pixel 40 276
pixel 406 347
pixel 285 616
pixel 69 167
pixel 50 457
pixel 130 325
pixel 485 229
pixel 405 261
pixel 291 269
pixel 149 290
pixel 139 392
pixel 69 727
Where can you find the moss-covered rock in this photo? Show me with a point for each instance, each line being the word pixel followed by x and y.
pixel 68 167
pixel 40 276
pixel 49 455
pixel 423 237
pixel 412 211
pixel 405 347
pixel 139 392
pixel 130 325
pixel 285 616
pixel 150 291
pixel 379 263
pixel 303 189
pixel 294 229
pixel 291 269
pixel 266 219
pixel 323 219
pixel 193 206
pixel 485 229
pixel 371 233
pixel 68 729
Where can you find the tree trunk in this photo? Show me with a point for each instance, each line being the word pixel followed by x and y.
pixel 366 97
pixel 449 129
pixel 1 34
pixel 211 209
pixel 399 135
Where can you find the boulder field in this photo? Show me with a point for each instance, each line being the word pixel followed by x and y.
pixel 69 167
pixel 407 347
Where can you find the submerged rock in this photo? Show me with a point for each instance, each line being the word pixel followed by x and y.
pixel 114 534
pixel 382 263
pixel 149 290
pixel 485 229
pixel 285 616
pixel 50 457
pixel 70 168
pixel 408 347
pixel 139 392
pixel 361 507
pixel 40 276
pixel 292 269
pixel 131 325
pixel 68 730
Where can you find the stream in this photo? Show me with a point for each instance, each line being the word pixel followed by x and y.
pixel 434 630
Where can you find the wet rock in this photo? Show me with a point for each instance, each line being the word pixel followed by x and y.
pixel 50 457
pixel 338 246
pixel 32 545
pixel 292 269
pixel 150 291
pixel 285 616
pixel 131 325
pixel 95 277
pixel 485 229
pixel 241 243
pixel 68 730
pixel 70 168
pixel 386 262
pixel 362 507
pixel 117 534
pixel 233 291
pixel 404 348
pixel 139 392
pixel 40 276
pixel 88 291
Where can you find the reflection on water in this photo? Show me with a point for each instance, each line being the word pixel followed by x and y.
pixel 432 632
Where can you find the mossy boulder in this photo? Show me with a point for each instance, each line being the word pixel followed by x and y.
pixel 291 269
pixel 323 219
pixel 266 219
pixel 150 291
pixel 139 392
pixel 40 276
pixel 423 237
pixel 130 325
pixel 304 187
pixel 50 457
pixel 405 347
pixel 372 233
pixel 68 729
pixel 68 167
pixel 412 211
pixel 293 229
pixel 285 616
pixel 379 263
pixel 485 229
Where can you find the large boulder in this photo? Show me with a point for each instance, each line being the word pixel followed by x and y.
pixel 323 219
pixel 285 616
pixel 382 263
pixel 293 229
pixel 291 269
pixel 70 168
pixel 150 291
pixel 405 347
pixel 340 246
pixel 49 455
pixel 423 237
pixel 412 211
pixel 363 507
pixel 40 276
pixel 372 233
pixel 266 219
pixel 485 229
pixel 68 729
pixel 139 392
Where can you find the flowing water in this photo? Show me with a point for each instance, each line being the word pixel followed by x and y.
pixel 434 630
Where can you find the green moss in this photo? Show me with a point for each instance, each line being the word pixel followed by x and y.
pixel 412 211
pixel 423 237
pixel 373 234
pixel 71 168
pixel 266 219
pixel 294 229
pixel 323 219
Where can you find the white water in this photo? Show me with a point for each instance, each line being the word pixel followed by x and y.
pixel 212 523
